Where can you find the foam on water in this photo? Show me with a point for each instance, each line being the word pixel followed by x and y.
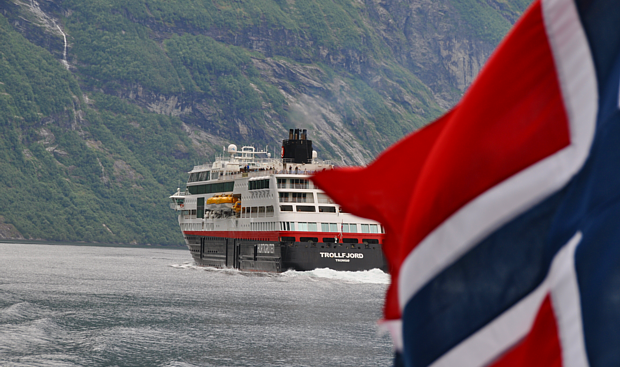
pixel 373 276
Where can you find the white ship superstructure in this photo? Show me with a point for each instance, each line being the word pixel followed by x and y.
pixel 248 201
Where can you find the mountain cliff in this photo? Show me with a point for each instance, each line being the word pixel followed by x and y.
pixel 105 104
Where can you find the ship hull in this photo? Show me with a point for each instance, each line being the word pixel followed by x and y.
pixel 278 256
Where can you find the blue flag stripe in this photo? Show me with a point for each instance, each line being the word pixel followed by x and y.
pixel 481 285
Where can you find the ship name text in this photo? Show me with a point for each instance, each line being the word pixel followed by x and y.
pixel 342 255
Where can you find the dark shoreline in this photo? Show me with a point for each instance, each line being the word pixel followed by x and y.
pixel 96 244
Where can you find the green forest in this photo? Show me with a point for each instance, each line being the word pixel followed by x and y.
pixel 91 150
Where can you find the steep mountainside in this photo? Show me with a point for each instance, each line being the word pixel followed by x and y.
pixel 105 104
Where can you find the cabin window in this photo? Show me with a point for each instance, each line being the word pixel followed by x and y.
pixel 286 208
pixel 269 211
pixel 324 227
pixel 374 228
pixel 308 239
pixel 287 226
pixel 287 239
pixel 297 183
pixel 258 184
pixel 327 209
pixel 261 212
pixel 302 197
pixel 312 227
pixel 365 228
pixel 370 241
pixel 349 228
pixel 329 239
pixel 254 212
pixel 324 199
pixel 243 212
pixel 305 208
pixel 333 227
pixel 281 183
pixel 350 240
pixel 302 226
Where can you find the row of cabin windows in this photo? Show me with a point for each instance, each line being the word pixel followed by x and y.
pixel 330 227
pixel 191 226
pixel 365 241
pixel 309 208
pixel 257 211
pixel 199 176
pixel 258 184
pixel 296 197
pixel 304 197
pixel 294 183
pixel 211 188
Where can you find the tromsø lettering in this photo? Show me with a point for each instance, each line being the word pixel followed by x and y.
pixel 342 255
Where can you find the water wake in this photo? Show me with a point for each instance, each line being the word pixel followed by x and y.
pixel 373 276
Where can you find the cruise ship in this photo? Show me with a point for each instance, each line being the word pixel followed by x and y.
pixel 253 212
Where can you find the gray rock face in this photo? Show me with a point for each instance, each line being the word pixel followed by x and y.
pixel 415 59
pixel 432 40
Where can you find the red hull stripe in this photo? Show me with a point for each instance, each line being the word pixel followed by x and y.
pixel 275 235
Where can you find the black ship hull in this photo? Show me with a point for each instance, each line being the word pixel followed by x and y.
pixel 270 256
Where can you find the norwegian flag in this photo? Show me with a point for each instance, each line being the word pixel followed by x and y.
pixel 503 228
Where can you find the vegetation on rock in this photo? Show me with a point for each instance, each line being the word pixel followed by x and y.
pixel 90 151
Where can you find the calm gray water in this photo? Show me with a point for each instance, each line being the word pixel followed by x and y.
pixel 109 306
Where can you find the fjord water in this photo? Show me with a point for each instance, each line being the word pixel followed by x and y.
pixel 63 305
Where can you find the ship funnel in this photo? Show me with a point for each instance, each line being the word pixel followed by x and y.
pixel 291 136
pixel 297 149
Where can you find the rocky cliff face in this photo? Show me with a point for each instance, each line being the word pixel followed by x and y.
pixel 106 104
pixel 444 43
pixel 414 57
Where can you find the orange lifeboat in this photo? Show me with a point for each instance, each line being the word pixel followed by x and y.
pixel 213 199
pixel 226 199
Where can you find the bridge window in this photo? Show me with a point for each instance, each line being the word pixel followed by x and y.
pixel 211 188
